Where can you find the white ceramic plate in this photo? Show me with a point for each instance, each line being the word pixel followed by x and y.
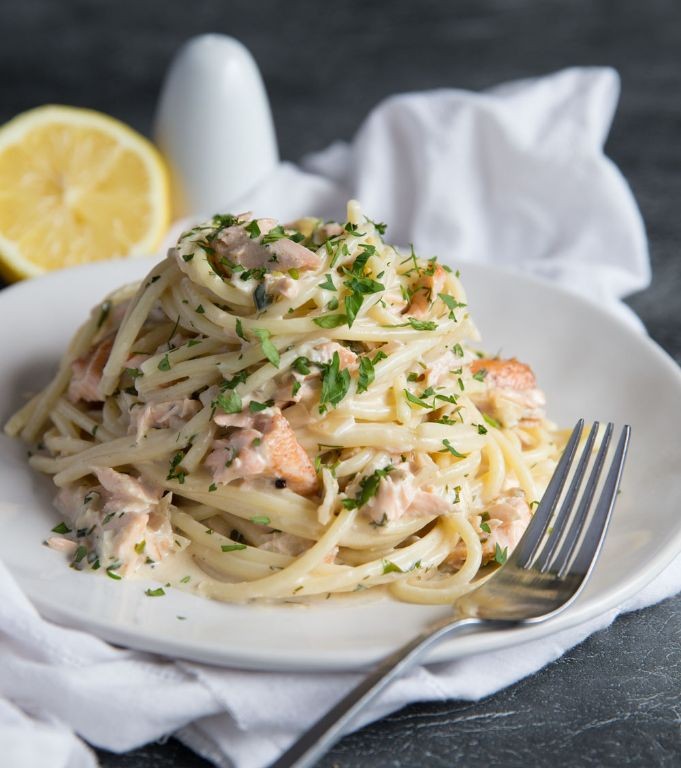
pixel 590 365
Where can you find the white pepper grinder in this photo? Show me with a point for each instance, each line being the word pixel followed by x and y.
pixel 214 125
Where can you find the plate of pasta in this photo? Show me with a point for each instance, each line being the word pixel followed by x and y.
pixel 292 445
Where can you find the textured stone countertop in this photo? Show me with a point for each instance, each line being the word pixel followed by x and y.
pixel 616 699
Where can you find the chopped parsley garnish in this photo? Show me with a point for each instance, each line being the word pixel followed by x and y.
pixel 353 303
pixel 260 520
pixel 212 487
pixel 224 220
pixel 414 400
pixel 194 342
pixel 112 574
pixel 164 365
pixel 159 592
pixel 104 310
pixel 301 365
pixel 174 472
pixel 458 350
pixel 254 406
pixel 451 303
pixel 379 226
pixel 232 383
pixel 390 567
pixel 253 229
pixel 200 310
pixel 422 325
pixel 139 547
pixel 328 284
pixel 364 285
pixel 330 321
pixel 484 526
pixel 240 330
pixel 368 488
pixel 500 555
pixel 61 528
pixel 260 297
pixel 279 233
pixel 185 580
pixel 229 401
pixel 491 421
pixel 359 287
pixel 353 229
pixel 481 429
pixel 80 554
pixel 367 374
pixel 233 547
pixel 335 383
pixel 449 447
pixel 268 349
pixel 480 375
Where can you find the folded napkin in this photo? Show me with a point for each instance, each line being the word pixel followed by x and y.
pixel 514 176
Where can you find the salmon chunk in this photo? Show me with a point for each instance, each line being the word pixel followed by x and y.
pixel 86 373
pixel 505 374
pixel 263 444
pixel 425 291
pixel 237 246
pixel 511 395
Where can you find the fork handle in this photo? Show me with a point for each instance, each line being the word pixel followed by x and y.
pixel 321 736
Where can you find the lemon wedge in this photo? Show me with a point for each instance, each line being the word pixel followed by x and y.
pixel 77 186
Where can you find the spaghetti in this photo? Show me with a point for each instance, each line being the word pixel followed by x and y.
pixel 301 410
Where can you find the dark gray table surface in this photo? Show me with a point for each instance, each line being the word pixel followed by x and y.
pixel 614 700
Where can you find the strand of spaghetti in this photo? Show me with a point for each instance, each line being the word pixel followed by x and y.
pixel 445 591
pixel 85 422
pixel 285 582
pixel 121 451
pixel 64 426
pixel 199 534
pixel 137 312
pixel 515 463
pixel 355 463
pixel 184 388
pixel 493 479
pixel 49 396
pixel 428 552
pixel 18 420
pixel 286 511
pixel 196 295
pixel 200 446
pixel 65 445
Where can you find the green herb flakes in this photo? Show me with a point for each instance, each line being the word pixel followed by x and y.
pixel 330 321
pixel 268 348
pixel 61 528
pixel 232 547
pixel 449 447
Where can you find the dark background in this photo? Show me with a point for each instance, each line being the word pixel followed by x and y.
pixel 616 699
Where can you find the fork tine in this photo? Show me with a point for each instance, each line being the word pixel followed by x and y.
pixel 579 520
pixel 527 546
pixel 563 516
pixel 593 540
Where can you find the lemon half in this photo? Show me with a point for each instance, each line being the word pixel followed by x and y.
pixel 77 186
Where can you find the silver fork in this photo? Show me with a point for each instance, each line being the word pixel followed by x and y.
pixel 541 578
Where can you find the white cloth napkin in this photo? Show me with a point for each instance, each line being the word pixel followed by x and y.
pixel 515 176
